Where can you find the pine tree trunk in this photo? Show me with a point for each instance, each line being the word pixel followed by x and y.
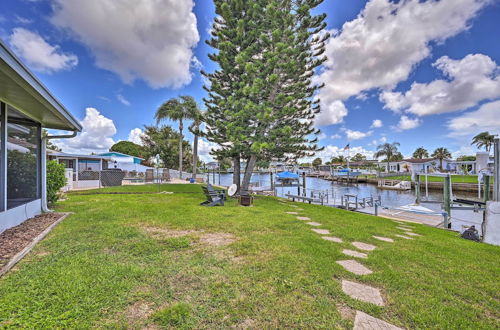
pixel 237 173
pixel 195 155
pixel 180 148
pixel 248 174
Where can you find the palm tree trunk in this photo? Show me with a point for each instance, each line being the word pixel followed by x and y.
pixel 195 155
pixel 181 138
pixel 248 174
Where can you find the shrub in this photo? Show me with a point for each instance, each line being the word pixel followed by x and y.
pixel 56 179
pixel 174 315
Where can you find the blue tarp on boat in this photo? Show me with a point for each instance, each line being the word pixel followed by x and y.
pixel 287 176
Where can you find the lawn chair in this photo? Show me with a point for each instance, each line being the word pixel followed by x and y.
pixel 220 192
pixel 213 197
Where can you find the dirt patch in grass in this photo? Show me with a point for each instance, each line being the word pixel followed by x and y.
pixel 14 239
pixel 217 239
pixel 158 232
pixel 138 311
pixel 246 324
pixel 346 312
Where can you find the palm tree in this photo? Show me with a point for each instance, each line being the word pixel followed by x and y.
pixel 194 128
pixel 420 153
pixel 177 110
pixel 389 150
pixel 484 139
pixel 441 153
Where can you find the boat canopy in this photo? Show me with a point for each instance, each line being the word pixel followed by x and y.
pixel 287 176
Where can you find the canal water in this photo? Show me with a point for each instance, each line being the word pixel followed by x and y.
pixel 389 198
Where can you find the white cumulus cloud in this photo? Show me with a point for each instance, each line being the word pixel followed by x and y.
pixel 382 45
pixel 406 123
pixel 204 149
pixel 135 136
pixel 150 40
pixel 377 123
pixel 469 80
pixel 38 53
pixel 486 118
pixel 356 135
pixel 331 113
pixel 96 136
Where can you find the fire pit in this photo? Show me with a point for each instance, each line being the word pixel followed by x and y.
pixel 246 200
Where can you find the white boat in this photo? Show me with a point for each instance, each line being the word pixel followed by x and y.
pixel 394 184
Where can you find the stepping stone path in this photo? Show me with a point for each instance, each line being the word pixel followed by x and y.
pixel 293 205
pixel 354 267
pixel 403 236
pixel 321 231
pixel 312 223
pixel 405 228
pixel 356 254
pixel 362 292
pixel 364 246
pixel 299 209
pixel 295 213
pixel 364 321
pixel 412 234
pixel 385 239
pixel 303 218
pixel 332 239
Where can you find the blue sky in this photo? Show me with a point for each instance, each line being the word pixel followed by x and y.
pixel 423 73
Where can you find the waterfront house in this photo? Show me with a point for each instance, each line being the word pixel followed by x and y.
pixel 125 162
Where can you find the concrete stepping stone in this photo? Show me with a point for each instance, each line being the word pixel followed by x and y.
pixel 364 246
pixel 356 254
pixel 412 234
pixel 321 231
pixel 312 223
pixel 294 213
pixel 405 228
pixel 362 292
pixel 303 218
pixel 293 205
pixel 354 267
pixel 332 239
pixel 385 239
pixel 299 209
pixel 403 236
pixel 363 321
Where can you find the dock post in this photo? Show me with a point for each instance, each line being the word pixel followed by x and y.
pixel 376 209
pixel 304 183
pixel 486 188
pixel 417 188
pixel 447 199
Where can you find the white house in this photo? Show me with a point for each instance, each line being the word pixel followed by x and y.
pixel 82 171
pixel 125 162
pixel 26 106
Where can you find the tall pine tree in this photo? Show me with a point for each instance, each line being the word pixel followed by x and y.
pixel 260 103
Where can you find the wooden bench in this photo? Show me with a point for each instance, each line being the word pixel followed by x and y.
pixel 303 198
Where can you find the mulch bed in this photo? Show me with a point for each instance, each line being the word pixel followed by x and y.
pixel 14 239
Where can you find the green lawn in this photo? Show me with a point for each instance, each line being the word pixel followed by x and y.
pixel 131 261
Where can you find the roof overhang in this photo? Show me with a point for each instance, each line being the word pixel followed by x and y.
pixel 22 90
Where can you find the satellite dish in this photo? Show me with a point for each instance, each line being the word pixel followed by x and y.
pixel 232 190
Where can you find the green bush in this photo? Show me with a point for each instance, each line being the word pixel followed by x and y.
pixel 56 179
pixel 174 315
